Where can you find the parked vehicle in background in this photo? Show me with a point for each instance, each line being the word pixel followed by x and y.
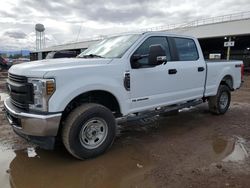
pixel 61 54
pixel 9 60
pixel 17 61
pixel 4 63
pixel 122 78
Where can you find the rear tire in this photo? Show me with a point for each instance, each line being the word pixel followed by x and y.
pixel 89 130
pixel 220 103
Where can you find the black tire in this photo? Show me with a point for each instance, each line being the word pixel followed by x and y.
pixel 76 123
pixel 214 102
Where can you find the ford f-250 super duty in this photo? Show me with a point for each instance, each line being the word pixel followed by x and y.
pixel 121 78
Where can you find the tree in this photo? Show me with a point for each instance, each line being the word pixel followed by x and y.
pixel 4 55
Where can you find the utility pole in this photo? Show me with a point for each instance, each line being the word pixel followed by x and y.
pixel 228 49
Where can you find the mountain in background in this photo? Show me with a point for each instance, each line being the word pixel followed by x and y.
pixel 23 52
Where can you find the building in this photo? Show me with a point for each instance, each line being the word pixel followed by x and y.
pixel 215 34
pixel 78 47
pixel 223 37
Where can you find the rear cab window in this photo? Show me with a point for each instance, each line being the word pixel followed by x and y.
pixel 186 49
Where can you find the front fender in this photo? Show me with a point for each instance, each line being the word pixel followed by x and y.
pixel 69 90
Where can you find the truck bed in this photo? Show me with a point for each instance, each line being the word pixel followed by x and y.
pixel 216 70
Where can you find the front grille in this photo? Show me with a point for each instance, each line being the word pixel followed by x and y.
pixel 21 92
pixel 20 105
pixel 17 78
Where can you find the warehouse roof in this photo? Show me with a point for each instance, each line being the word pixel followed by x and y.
pixel 69 46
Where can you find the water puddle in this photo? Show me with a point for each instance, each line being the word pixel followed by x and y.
pixel 31 152
pixel 239 152
pixel 124 166
pixel 6 156
pixel 235 149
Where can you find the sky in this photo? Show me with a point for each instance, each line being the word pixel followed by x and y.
pixel 76 20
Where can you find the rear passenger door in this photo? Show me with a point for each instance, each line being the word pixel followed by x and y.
pixel 187 72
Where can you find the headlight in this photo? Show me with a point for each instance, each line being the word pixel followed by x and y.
pixel 43 89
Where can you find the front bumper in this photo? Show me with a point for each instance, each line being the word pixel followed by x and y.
pixel 32 124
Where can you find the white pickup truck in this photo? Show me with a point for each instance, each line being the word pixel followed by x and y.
pixel 121 78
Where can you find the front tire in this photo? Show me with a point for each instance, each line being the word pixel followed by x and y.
pixel 89 130
pixel 220 103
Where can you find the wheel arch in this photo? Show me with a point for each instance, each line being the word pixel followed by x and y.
pixel 228 81
pixel 102 97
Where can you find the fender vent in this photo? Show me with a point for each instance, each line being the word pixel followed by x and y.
pixel 126 81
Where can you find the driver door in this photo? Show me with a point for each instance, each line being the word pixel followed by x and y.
pixel 148 83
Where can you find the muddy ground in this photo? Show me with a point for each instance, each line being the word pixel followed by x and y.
pixel 192 149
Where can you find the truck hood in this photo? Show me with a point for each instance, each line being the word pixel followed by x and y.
pixel 40 68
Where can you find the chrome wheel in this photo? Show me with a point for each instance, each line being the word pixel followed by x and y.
pixel 224 98
pixel 93 133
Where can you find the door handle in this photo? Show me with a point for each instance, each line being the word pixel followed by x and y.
pixel 200 69
pixel 172 71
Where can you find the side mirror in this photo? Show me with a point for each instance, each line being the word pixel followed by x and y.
pixel 136 57
pixel 157 55
pixel 134 60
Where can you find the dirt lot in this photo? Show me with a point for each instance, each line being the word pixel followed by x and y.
pixel 192 149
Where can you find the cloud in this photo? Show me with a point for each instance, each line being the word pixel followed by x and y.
pixel 16 34
pixel 64 18
pixel 6 14
pixel 17 40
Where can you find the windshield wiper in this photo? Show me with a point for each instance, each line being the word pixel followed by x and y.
pixel 91 56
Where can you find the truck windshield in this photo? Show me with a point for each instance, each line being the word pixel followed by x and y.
pixel 113 47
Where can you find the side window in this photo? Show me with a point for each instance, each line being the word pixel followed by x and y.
pixel 144 48
pixel 186 48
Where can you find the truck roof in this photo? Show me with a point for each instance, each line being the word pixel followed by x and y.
pixel 148 33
